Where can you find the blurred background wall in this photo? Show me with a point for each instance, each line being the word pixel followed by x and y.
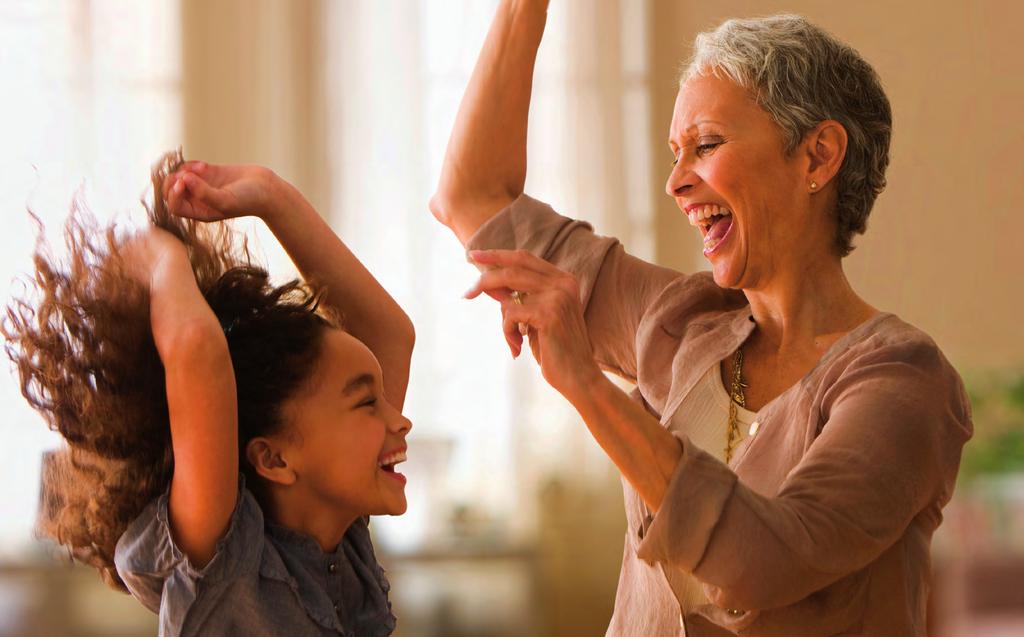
pixel 515 523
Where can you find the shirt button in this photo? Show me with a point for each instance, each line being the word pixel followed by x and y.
pixel 332 567
pixel 754 426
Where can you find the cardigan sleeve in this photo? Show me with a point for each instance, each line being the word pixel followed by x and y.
pixel 616 289
pixel 895 422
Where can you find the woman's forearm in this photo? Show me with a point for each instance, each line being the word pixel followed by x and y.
pixel 370 313
pixel 644 451
pixel 485 163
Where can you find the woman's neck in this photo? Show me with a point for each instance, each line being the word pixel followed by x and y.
pixel 806 307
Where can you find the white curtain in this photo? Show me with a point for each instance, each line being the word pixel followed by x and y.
pixel 487 431
pixel 90 99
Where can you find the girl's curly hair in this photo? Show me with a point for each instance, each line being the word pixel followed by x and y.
pixel 87 362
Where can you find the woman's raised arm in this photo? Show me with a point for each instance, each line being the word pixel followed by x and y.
pixel 485 165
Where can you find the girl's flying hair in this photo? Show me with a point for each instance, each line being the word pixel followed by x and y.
pixel 81 341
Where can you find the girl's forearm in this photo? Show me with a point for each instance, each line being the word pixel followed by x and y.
pixel 177 309
pixel 644 451
pixel 370 313
pixel 201 403
pixel 485 163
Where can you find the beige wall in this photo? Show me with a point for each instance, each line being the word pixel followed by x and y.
pixel 253 89
pixel 944 240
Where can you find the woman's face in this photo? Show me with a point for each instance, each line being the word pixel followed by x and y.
pixel 345 435
pixel 734 181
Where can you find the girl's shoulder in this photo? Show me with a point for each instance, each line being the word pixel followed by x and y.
pixel 154 568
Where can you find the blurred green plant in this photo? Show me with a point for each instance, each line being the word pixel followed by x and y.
pixel 997 402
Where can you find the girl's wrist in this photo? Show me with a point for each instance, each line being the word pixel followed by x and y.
pixel 279 196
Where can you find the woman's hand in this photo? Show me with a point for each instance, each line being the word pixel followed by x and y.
pixel 210 192
pixel 549 305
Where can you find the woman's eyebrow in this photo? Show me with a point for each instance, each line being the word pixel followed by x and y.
pixel 357 383
pixel 690 131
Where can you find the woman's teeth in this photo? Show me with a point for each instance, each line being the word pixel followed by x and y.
pixel 703 215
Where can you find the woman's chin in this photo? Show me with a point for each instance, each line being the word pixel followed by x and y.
pixel 724 274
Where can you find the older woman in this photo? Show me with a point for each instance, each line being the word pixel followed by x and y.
pixel 789 448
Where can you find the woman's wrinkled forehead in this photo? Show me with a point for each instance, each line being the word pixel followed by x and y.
pixel 709 101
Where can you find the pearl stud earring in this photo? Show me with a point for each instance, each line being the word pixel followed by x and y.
pixel 814 185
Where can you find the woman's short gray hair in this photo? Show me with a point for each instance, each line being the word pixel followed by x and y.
pixel 801 76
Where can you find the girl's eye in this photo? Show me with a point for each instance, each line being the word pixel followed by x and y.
pixel 369 402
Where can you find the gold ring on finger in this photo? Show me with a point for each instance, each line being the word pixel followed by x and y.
pixel 517 298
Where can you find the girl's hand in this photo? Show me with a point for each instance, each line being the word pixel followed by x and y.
pixel 549 304
pixel 210 192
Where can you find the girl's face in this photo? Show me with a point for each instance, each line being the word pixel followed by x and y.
pixel 735 183
pixel 345 437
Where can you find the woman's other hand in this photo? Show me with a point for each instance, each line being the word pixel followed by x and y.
pixel 210 192
pixel 549 305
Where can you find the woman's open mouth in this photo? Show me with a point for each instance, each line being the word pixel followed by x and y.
pixel 714 222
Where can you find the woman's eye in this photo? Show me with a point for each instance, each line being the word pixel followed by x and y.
pixel 703 149
pixel 369 402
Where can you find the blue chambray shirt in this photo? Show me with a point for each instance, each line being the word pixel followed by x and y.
pixel 264 579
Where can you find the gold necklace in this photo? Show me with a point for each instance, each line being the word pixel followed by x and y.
pixel 736 394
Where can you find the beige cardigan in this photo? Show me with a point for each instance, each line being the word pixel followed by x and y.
pixel 821 525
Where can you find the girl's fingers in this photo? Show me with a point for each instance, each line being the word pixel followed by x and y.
pixel 197 167
pixel 202 192
pixel 169 182
pixel 174 197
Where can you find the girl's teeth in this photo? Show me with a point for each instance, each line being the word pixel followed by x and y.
pixel 393 459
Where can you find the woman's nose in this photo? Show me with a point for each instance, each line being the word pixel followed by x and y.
pixel 681 179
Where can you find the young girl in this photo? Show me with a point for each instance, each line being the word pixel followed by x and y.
pixel 226 439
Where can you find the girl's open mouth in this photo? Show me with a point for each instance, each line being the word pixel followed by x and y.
pixel 387 464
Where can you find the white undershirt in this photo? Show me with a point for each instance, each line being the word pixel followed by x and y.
pixel 704 417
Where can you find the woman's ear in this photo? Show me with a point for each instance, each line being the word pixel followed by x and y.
pixel 267 457
pixel 825 146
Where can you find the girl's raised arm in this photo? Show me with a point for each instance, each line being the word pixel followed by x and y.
pixel 212 192
pixel 201 395
pixel 485 165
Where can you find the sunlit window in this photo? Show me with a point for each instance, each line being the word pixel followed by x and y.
pixel 91 97
pixel 487 430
